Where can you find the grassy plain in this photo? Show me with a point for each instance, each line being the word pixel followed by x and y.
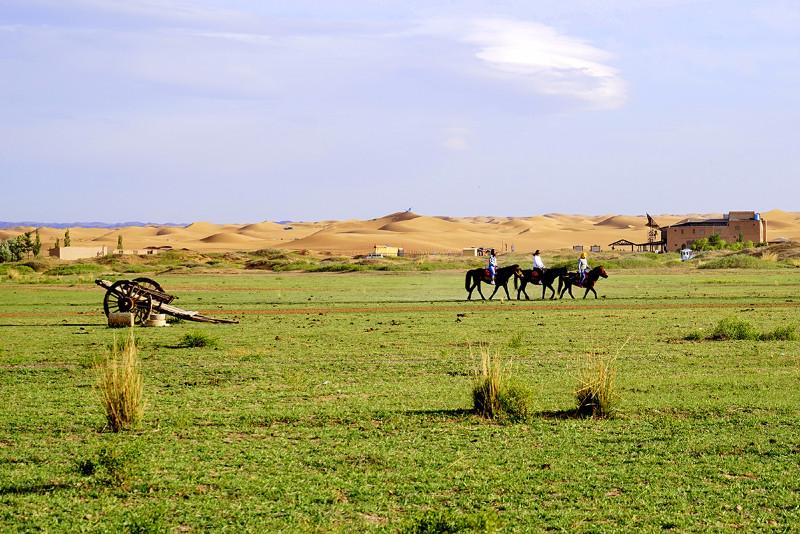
pixel 341 402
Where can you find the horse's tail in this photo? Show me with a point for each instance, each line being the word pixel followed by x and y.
pixel 466 281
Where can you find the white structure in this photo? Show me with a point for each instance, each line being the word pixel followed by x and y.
pixel 147 251
pixel 78 253
pixel 687 254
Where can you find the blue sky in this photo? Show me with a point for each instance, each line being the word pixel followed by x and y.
pixel 241 111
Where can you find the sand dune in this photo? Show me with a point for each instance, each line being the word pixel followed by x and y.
pixel 262 227
pixel 414 232
pixel 227 237
pixel 620 221
pixel 204 228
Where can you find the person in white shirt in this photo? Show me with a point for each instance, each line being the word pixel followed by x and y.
pixel 492 265
pixel 583 266
pixel 537 261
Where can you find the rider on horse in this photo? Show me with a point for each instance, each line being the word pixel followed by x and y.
pixel 492 268
pixel 583 267
pixel 538 266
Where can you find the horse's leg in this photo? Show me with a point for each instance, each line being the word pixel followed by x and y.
pixel 593 291
pixel 478 283
pixel 505 286
pixel 521 289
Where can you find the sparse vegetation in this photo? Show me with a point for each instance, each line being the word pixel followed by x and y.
pixel 343 404
pixel 734 328
pixel 199 340
pixel 738 261
pixel 596 392
pixel 496 394
pixel 119 382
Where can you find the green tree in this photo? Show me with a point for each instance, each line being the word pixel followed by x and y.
pixel 67 240
pixel 119 242
pixel 37 243
pixel 700 244
pixel 27 242
pixel 17 248
pixel 716 242
pixel 5 252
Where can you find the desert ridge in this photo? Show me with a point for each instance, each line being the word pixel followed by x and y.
pixel 413 232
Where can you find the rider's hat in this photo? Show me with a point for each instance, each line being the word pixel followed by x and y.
pixel 583 254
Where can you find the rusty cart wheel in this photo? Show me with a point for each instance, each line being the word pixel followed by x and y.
pixel 123 296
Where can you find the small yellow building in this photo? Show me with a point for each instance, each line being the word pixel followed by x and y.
pixel 77 253
pixel 386 250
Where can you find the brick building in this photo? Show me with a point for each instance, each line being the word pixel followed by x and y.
pixel 733 226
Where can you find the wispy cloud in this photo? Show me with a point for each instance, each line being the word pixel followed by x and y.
pixel 550 62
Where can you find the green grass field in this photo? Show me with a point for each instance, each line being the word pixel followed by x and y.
pixel 342 402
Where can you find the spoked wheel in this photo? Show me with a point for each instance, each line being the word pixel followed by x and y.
pixel 123 297
pixel 148 283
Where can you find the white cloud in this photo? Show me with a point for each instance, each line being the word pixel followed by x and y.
pixel 550 62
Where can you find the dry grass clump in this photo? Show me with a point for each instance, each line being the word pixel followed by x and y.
pixel 596 391
pixel 495 394
pixel 119 382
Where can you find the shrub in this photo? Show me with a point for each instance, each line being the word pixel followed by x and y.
pixel 734 328
pixel 271 254
pixel 738 261
pixel 495 395
pixel 37 265
pixel 782 333
pixel 76 268
pixel 596 392
pixel 119 382
pixel 199 340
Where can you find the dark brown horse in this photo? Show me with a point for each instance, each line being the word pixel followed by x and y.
pixel 545 278
pixel 573 279
pixel 501 277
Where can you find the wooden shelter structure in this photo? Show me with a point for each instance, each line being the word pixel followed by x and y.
pixel 622 243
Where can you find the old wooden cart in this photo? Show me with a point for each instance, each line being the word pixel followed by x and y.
pixel 143 296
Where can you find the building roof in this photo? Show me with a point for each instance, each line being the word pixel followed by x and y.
pixel 701 222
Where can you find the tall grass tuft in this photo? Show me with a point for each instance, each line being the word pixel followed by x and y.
pixel 119 382
pixel 596 392
pixel 734 328
pixel 495 394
